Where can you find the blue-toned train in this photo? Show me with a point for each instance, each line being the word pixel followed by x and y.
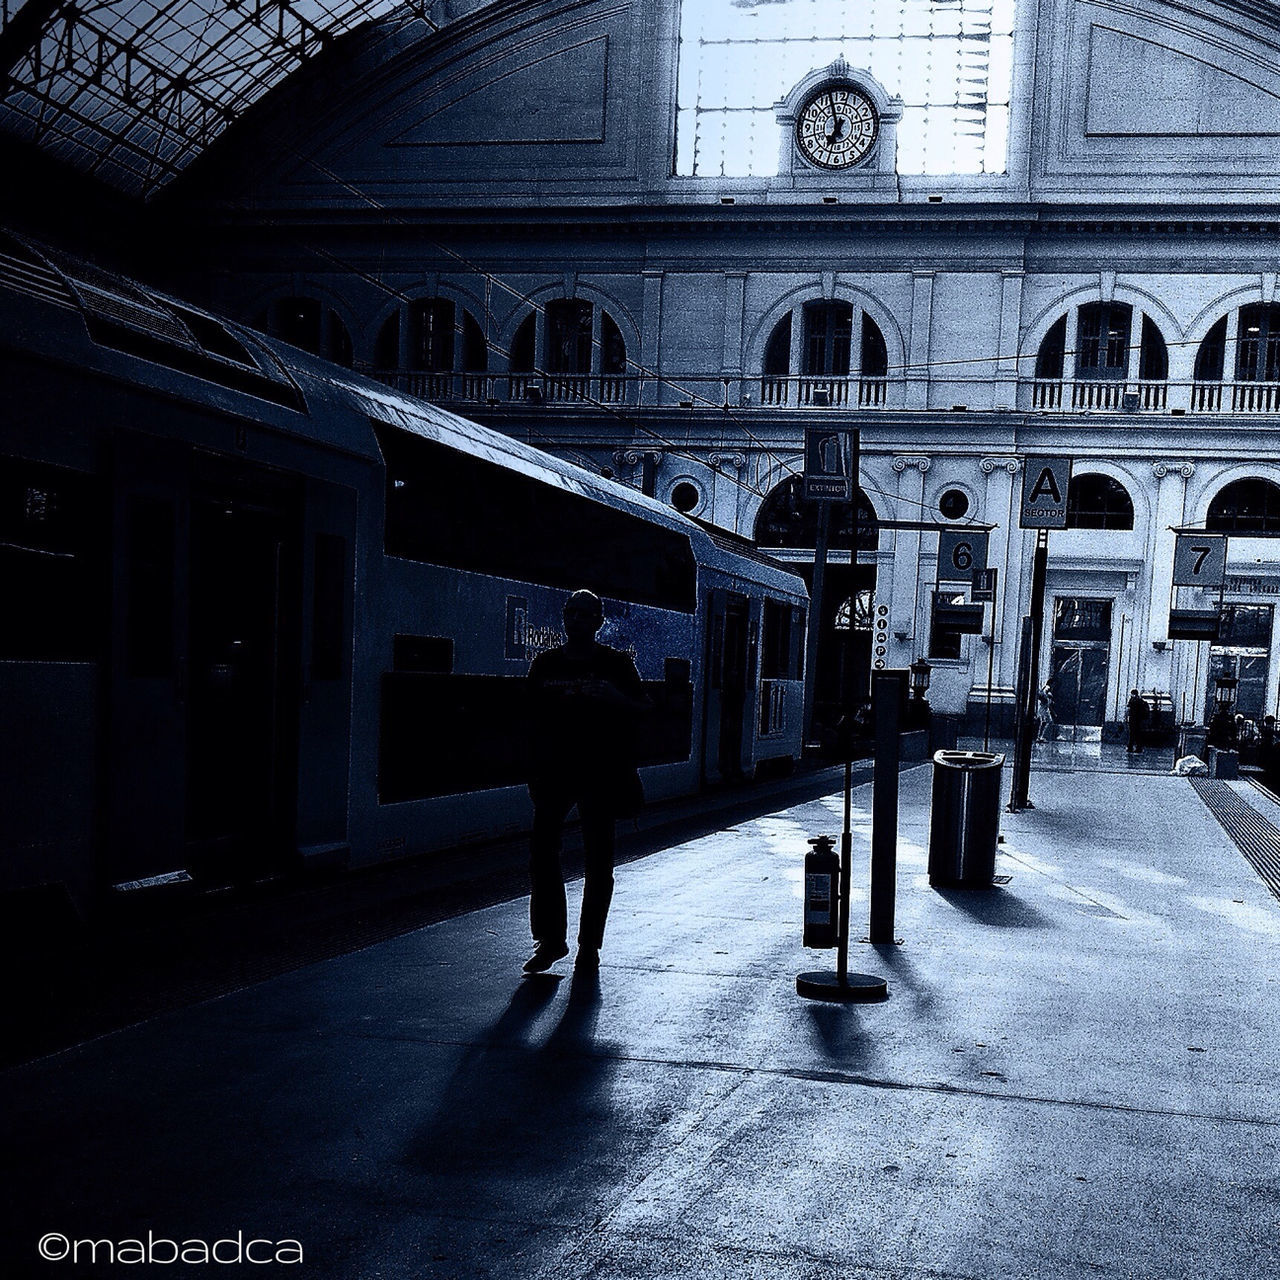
pixel 261 613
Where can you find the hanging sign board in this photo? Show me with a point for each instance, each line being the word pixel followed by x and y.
pixel 1193 624
pixel 830 455
pixel 985 584
pixel 1200 560
pixel 962 555
pixel 1044 493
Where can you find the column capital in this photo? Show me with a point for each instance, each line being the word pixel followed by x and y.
pixel 1185 469
pixel 722 460
pixel 920 463
pixel 1011 465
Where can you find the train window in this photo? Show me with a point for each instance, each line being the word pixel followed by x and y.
pixel 797 648
pixel 451 734
pixel 443 735
pixel 775 656
pixel 214 338
pixel 327 620
pixel 52 535
pixel 446 508
pixel 431 654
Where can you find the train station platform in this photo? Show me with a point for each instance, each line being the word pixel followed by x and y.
pixel 1075 1074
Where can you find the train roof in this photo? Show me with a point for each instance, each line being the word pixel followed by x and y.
pixel 301 391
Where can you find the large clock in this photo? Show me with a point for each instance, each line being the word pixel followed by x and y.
pixel 836 127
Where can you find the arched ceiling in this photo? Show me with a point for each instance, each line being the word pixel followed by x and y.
pixel 134 90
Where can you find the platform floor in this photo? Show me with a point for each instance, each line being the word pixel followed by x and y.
pixel 1075 1075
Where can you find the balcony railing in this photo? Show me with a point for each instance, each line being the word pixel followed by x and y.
pixel 824 393
pixel 1053 395
pixel 1076 394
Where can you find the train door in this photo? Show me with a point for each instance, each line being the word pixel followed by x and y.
pixel 243 670
pixel 1078 667
pixel 146 697
pixel 205 672
pixel 728 653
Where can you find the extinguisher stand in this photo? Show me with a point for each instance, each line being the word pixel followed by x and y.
pixel 843 986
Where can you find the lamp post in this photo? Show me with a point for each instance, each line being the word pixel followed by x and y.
pixel 918 673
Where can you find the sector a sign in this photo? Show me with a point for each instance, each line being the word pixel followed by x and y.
pixel 1045 482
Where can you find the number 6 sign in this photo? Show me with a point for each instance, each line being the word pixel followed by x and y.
pixel 1199 560
pixel 962 555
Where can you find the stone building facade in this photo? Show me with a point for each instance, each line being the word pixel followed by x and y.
pixel 507 215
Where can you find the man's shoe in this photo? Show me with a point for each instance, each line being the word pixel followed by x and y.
pixel 545 954
pixel 588 958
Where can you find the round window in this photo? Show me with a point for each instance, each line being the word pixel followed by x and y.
pixel 953 504
pixel 685 496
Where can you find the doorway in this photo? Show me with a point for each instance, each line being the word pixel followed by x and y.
pixel 244 665
pixel 1078 667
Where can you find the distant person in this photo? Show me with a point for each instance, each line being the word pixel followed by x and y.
pixel 1044 713
pixel 1136 715
pixel 584 699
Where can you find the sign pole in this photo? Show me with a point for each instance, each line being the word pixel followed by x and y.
pixel 1046 484
pixel 817 602
pixel 826 469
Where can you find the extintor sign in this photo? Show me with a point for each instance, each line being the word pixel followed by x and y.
pixel 830 458
pixel 1045 482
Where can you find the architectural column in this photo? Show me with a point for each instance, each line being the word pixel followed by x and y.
pixel 1135 346
pixel 1229 357
pixel 735 292
pixel 1070 339
pixel 403 353
pixel 650 335
pixel 727 467
pixel 1156 669
pixel 1007 371
pixel 1005 554
pixel 906 618
pixel 918 342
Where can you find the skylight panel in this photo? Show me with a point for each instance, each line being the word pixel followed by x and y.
pixel 950 61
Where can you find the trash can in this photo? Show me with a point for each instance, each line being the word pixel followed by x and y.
pixel 964 818
pixel 1223 764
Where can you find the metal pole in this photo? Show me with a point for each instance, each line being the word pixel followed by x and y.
pixel 886 695
pixel 817 603
pixel 847 712
pixel 1031 660
pixel 991 664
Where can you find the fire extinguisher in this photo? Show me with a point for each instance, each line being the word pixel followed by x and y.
pixel 821 893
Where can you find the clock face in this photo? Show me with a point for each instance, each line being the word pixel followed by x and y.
pixel 837 127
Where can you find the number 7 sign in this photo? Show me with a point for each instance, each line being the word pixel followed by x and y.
pixel 1200 560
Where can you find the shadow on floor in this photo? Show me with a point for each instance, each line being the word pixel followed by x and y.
pixel 996 907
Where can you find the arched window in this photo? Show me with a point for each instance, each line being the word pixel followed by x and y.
pixel 1244 345
pixel 307 323
pixel 787 520
pixel 571 350
pixel 1246 506
pixel 435 337
pixel 861 607
pixel 1097 357
pixel 1096 501
pixel 825 354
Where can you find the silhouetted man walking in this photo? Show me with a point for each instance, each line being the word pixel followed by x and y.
pixel 584 698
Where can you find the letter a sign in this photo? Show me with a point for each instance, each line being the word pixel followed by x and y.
pixel 1044 493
